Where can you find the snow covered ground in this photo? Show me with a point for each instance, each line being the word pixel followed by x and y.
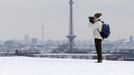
pixel 46 66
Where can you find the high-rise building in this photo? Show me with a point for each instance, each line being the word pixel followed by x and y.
pixel 27 39
pixel 131 39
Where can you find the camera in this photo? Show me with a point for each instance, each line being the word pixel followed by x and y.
pixel 91 19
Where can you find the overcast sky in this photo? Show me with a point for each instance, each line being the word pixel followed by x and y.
pixel 25 17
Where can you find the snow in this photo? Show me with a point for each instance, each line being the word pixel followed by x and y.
pixel 51 66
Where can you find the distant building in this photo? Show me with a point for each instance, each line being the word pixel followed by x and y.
pixel 27 39
pixel 34 40
pixel 131 39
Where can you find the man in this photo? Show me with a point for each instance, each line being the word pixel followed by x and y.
pixel 97 27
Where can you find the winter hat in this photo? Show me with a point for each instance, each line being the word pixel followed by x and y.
pixel 97 15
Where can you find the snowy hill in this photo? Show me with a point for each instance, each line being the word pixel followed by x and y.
pixel 46 66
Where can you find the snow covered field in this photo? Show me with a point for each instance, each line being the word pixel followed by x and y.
pixel 46 66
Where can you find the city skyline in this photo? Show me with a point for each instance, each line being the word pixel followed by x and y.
pixel 25 17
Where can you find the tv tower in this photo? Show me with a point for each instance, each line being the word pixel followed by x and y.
pixel 71 35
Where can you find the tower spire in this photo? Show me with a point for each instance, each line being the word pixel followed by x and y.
pixel 42 32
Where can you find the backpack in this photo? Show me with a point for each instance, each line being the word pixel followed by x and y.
pixel 105 32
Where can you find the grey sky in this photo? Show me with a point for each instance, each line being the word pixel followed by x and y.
pixel 25 17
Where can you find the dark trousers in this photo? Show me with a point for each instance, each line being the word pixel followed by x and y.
pixel 98 46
